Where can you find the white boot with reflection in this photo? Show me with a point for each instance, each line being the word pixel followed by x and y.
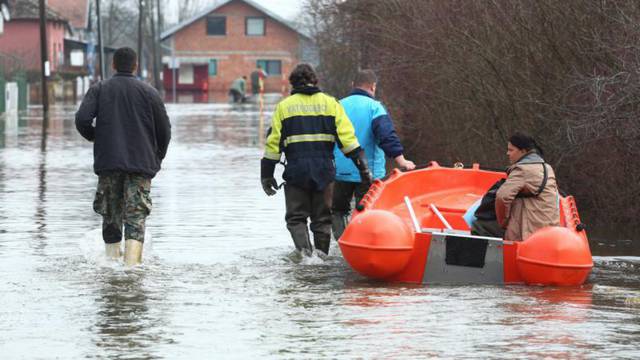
pixel 113 251
pixel 132 252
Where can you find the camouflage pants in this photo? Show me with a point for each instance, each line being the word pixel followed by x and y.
pixel 123 199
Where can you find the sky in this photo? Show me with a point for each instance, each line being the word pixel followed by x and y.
pixel 287 9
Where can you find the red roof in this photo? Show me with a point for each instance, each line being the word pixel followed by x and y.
pixel 76 11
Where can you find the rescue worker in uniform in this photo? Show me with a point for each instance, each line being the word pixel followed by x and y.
pixel 377 137
pixel 305 127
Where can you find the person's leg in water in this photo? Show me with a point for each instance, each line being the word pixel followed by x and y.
pixel 137 208
pixel 298 204
pixel 321 218
pixel 109 202
pixel 341 206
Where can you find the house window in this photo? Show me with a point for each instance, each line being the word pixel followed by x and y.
pixel 272 67
pixel 216 25
pixel 213 67
pixel 185 74
pixel 76 57
pixel 254 26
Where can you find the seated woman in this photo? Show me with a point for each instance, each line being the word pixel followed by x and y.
pixel 528 199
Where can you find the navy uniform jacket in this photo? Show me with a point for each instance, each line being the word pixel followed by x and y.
pixel 305 127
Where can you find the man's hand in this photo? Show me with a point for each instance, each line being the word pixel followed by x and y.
pixel 269 185
pixel 404 163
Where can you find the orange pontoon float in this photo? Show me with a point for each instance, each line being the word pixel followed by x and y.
pixel 410 228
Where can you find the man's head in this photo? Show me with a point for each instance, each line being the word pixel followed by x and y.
pixel 125 60
pixel 302 75
pixel 366 80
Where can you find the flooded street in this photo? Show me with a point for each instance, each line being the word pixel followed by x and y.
pixel 217 280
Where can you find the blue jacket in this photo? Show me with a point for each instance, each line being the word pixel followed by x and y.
pixel 375 134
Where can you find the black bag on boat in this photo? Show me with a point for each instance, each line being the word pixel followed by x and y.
pixel 487 208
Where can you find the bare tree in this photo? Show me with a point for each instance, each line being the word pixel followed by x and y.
pixel 459 76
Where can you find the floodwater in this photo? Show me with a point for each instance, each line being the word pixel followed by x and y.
pixel 218 282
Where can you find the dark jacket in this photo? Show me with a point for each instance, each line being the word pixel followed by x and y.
pixel 132 129
pixel 305 126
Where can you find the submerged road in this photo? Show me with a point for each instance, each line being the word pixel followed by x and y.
pixel 217 279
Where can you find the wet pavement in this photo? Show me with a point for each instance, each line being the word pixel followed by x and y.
pixel 218 280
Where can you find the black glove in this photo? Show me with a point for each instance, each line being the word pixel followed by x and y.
pixel 360 160
pixel 269 185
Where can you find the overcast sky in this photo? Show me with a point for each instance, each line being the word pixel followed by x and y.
pixel 287 9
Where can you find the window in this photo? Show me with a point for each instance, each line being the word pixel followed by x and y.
pixel 272 67
pixel 185 74
pixel 76 57
pixel 216 25
pixel 213 67
pixel 254 26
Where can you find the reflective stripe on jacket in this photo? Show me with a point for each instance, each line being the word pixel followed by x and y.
pixel 375 133
pixel 305 127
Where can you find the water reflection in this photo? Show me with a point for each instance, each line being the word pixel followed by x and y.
pixel 40 216
pixel 124 326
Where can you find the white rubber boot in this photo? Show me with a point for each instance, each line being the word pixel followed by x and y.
pixel 113 251
pixel 132 252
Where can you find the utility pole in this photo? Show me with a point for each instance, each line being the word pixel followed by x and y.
pixel 140 35
pixel 44 66
pixel 156 76
pixel 160 28
pixel 100 47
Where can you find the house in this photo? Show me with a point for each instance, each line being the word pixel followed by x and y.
pixel 21 37
pixel 80 39
pixel 229 40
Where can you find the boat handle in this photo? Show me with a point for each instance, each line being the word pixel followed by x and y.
pixel 439 215
pixel 412 213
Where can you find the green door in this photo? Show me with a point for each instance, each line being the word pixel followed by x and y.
pixel 21 79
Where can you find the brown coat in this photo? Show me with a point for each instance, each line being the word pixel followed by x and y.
pixel 521 216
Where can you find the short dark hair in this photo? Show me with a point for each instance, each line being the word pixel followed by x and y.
pixel 125 59
pixel 365 77
pixel 302 75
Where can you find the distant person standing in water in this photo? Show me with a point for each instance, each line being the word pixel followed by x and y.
pixel 257 80
pixel 130 139
pixel 237 90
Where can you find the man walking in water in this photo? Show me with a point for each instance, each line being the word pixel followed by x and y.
pixel 305 126
pixel 130 138
pixel 377 136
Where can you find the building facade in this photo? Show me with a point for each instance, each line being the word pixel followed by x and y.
pixel 21 36
pixel 227 41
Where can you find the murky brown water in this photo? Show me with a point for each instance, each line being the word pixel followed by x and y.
pixel 217 282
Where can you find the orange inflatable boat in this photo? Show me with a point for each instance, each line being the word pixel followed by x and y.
pixel 410 228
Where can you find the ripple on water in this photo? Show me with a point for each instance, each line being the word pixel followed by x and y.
pixel 218 276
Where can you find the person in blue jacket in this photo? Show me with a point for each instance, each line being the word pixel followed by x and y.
pixel 377 137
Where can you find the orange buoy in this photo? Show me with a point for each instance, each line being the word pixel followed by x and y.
pixel 554 256
pixel 377 243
